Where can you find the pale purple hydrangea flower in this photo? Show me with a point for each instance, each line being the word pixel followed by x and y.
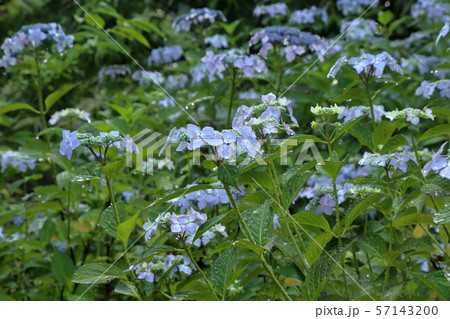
pixel 439 164
pixel 16 159
pixel 432 9
pixel 69 143
pixel 148 77
pixel 217 41
pixel 444 31
pixel 127 195
pixel 82 115
pixel 355 111
pixel 355 7
pixel 307 16
pixel 165 55
pixel 113 71
pixel 250 94
pixel 358 29
pixel 176 81
pixel 271 10
pixel 195 17
pixel 292 51
pixel 426 89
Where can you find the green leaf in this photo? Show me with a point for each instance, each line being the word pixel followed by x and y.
pixel 291 188
pixel 434 190
pixel 384 17
pixel 361 207
pixel 131 33
pixel 62 268
pixel 316 247
pixel 94 20
pixel 256 178
pixel 127 289
pixel 259 222
pixel 180 193
pixel 47 231
pixel 310 219
pixel 222 269
pixel 442 216
pixel 17 106
pixel 228 174
pixel 157 250
pixel 412 219
pixel 112 169
pixel 221 89
pixel 318 275
pixel 243 243
pixel 146 26
pixel 125 229
pixel 393 143
pixel 97 273
pixel 372 244
pixel 57 95
pixel 437 281
pixel 350 93
pixel 207 225
pixel 347 126
pixel 382 132
pixel 108 220
pixel 435 131
pixel 363 134
pixel 330 169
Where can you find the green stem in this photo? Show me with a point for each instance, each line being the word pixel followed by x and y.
pixel 186 248
pixel 250 237
pixel 230 104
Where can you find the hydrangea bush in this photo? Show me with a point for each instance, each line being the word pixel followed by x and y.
pixel 240 151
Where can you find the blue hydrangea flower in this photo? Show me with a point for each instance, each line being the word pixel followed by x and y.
pixel 148 77
pixel 165 55
pixel 358 29
pixel 439 164
pixel 271 10
pixel 82 115
pixel 69 143
pixel 217 41
pixel 113 71
pixel 204 16
pixel 432 9
pixel 16 159
pixel 307 16
pixel 355 7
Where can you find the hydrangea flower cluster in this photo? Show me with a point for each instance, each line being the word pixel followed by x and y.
pixel 440 164
pixel 348 7
pixel 147 77
pixel 398 160
pixel 161 264
pixel 216 64
pixel 423 64
pixel 434 11
pixel 271 10
pixel 71 140
pixel 282 36
pixel 426 89
pixel 165 55
pixel 34 35
pixel 327 110
pixel 410 115
pixel 17 159
pixel 250 94
pixel 184 226
pixel 202 199
pixel 445 29
pixel 195 17
pixel 217 41
pixel 113 71
pixel 265 118
pixel 307 16
pixel 358 29
pixel 176 81
pixel 71 113
pixel 356 111
pixel 367 64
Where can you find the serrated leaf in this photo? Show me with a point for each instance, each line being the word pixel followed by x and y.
pixel 346 127
pixel 372 244
pixel 412 219
pixel 435 131
pixel 207 225
pixel 57 95
pixel 259 222
pixel 222 269
pixel 316 247
pixel 434 190
pixel 157 250
pixel 108 220
pixel 125 229
pixel 330 169
pixel 98 273
pixel 318 275
pixel 382 132
pixel 62 268
pixel 436 281
pixel 361 207
pixel 228 174
pixel 243 243
pixel 112 169
pixel 291 188
pixel 125 288
pixel 310 219
pixel 442 216
pixel 393 143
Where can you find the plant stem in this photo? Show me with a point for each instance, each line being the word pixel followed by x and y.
pixel 250 237
pixel 186 248
pixel 230 104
